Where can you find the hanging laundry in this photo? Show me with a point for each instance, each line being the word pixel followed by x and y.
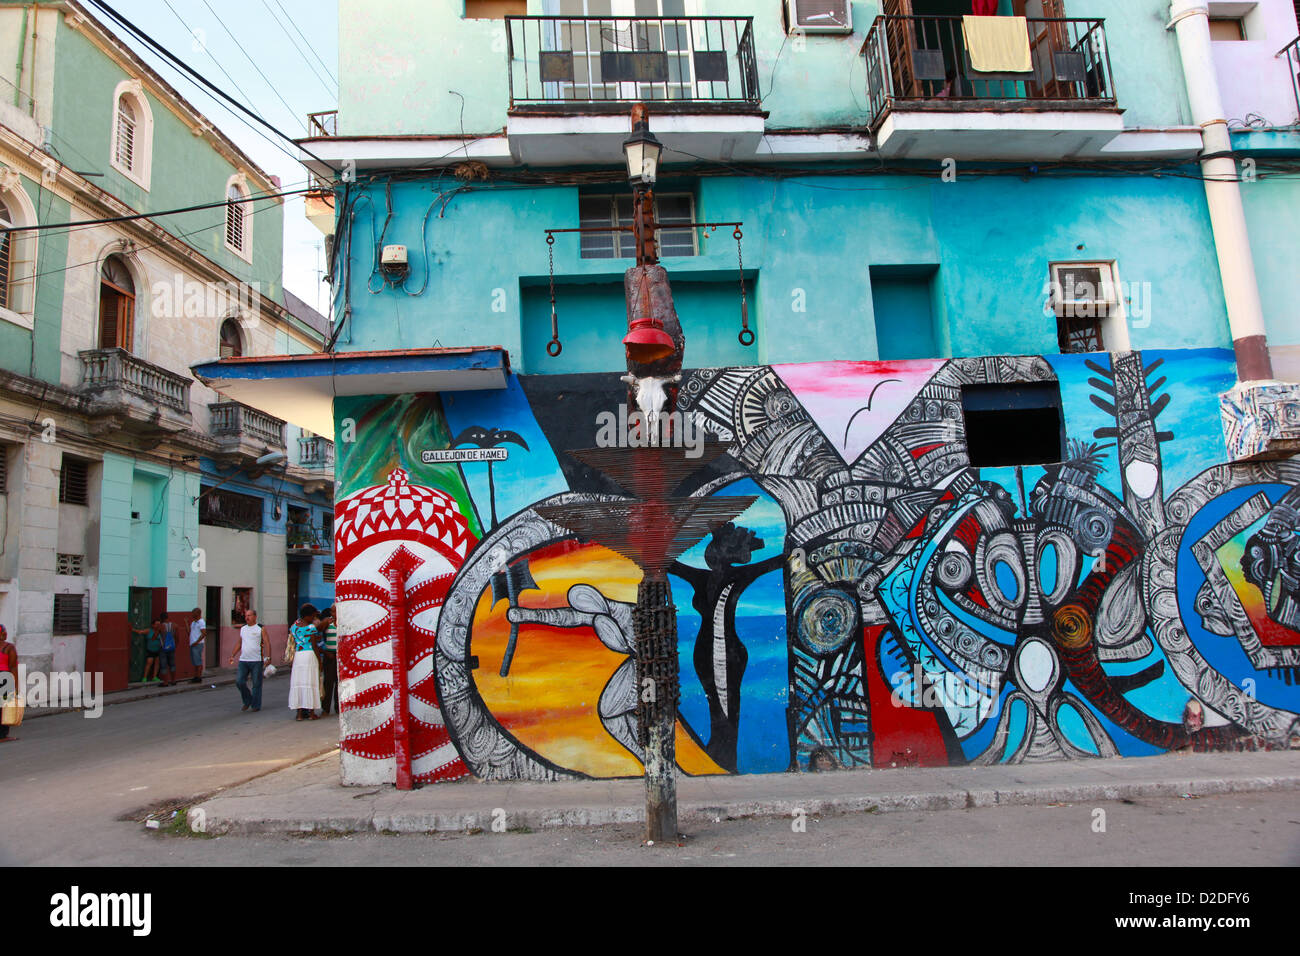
pixel 997 44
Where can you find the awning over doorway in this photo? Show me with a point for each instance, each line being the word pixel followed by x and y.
pixel 301 388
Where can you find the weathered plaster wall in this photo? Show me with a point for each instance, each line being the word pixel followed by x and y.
pixel 808 248
pixel 881 602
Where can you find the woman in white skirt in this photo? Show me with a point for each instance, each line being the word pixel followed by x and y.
pixel 304 679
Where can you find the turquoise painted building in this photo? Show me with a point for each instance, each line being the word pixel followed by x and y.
pixel 1023 379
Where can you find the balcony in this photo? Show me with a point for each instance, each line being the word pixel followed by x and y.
pixel 124 392
pixel 581 75
pixel 306 539
pixel 243 431
pixel 927 101
pixel 315 452
pixel 1292 53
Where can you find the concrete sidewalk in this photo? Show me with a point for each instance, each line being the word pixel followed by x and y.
pixel 308 797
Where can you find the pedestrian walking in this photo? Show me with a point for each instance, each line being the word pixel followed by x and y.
pixel 197 644
pixel 168 653
pixel 254 652
pixel 8 683
pixel 329 690
pixel 304 679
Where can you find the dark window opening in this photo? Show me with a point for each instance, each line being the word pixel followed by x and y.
pixel 241 602
pixel 70 615
pixel 1018 424
pixel 74 482
pixel 220 508
pixel 4 469
pixel 232 343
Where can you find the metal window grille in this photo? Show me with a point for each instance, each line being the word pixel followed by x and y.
pixel 71 614
pixel 71 564
pixel 74 482
pixel 615 210
pixel 221 508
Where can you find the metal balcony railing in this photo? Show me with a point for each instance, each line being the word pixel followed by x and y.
pixel 590 63
pixel 1292 53
pixel 234 420
pixel 117 369
pixel 307 537
pixel 315 452
pixel 922 63
pixel 324 123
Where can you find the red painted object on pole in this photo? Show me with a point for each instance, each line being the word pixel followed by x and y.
pixel 399 566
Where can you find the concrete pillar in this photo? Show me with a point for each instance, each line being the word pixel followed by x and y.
pixel 1190 19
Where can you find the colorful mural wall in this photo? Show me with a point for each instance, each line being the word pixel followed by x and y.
pixel 882 603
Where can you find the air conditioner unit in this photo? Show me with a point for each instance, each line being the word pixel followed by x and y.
pixel 819 16
pixel 1083 289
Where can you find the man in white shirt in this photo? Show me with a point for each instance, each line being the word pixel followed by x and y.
pixel 253 652
pixel 197 643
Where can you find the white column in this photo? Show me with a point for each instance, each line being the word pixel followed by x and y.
pixel 1190 19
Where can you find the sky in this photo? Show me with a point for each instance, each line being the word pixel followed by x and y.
pixel 280 58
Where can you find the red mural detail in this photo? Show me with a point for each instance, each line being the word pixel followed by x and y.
pixel 906 736
pixel 389 517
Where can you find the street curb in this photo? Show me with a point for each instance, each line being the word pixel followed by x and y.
pixel 33 713
pixel 214 822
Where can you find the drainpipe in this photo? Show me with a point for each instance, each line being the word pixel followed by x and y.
pixel 18 74
pixel 1190 19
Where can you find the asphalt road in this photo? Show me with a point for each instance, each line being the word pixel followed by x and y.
pixel 67 781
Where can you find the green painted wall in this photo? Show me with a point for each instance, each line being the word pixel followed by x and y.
pixel 115 533
pixel 186 169
pixel 16 351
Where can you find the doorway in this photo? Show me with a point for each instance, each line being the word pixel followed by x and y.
pixel 139 615
pixel 212 615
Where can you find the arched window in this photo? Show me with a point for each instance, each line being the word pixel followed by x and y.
pixel 232 343
pixel 238 221
pixel 17 252
pixel 6 255
pixel 125 152
pixel 116 305
pixel 132 149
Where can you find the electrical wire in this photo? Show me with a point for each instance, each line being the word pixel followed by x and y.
pixel 248 99
pixel 41 227
pixel 315 72
pixel 308 44
pixel 242 49
pixel 181 65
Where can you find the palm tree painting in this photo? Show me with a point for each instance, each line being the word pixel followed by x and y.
pixel 479 437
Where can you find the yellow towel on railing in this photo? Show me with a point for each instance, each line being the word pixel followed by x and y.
pixel 997 44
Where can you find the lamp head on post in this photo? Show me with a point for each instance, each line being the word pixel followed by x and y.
pixel 641 150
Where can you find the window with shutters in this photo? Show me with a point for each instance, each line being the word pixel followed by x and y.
pixel 132 141
pixel 74 481
pixel 239 220
pixel 616 210
pixel 327 572
pixel 116 305
pixel 17 256
pixel 70 614
pixel 232 343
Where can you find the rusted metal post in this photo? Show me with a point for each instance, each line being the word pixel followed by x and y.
pixel 399 566
pixel 655 629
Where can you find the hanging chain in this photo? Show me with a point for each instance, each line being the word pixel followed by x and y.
pixel 553 347
pixel 746 335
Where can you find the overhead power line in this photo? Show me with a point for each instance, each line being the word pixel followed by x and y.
pixel 184 67
pixel 274 89
pixel 41 227
pixel 311 66
pixel 328 71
